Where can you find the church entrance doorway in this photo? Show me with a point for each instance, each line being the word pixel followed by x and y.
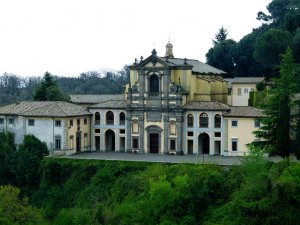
pixel 154 142
pixel 110 140
pixel 203 141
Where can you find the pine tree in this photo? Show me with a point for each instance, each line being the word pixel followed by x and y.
pixel 277 125
pixel 220 36
pixel 48 90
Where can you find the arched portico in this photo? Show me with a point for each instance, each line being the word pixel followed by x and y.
pixel 203 143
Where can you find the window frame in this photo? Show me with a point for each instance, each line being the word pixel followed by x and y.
pixel 31 122
pixel 1 120
pixel 11 121
pixel 57 123
pixel 190 120
pixel 219 123
pixel 135 143
pixel 122 121
pixel 57 141
pixel 232 121
pixel 236 141
pixel 257 123
pixel 110 118
pixel 205 119
pixel 97 121
pixel 172 144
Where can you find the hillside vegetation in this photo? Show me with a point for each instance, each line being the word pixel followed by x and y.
pixel 110 192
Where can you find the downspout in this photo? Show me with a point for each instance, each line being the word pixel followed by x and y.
pixel 91 117
pixel 53 136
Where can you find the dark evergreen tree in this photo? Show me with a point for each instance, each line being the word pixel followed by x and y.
pixel 276 126
pixel 28 158
pixel 220 36
pixel 7 154
pixel 48 90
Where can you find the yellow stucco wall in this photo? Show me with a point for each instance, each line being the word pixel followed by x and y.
pixel 71 131
pixel 243 133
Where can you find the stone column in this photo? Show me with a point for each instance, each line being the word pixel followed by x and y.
pixel 128 133
pixel 141 138
pixel 166 134
pixel 142 82
pixel 179 134
pixel 167 77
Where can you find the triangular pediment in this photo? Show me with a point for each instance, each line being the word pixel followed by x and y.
pixel 152 61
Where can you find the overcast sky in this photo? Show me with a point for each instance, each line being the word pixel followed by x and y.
pixel 66 37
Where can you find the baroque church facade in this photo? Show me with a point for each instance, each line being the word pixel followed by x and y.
pixel 173 106
pixel 170 106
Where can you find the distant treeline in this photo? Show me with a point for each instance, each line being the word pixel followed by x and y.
pixel 14 88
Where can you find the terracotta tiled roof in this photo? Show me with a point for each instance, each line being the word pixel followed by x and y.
pixel 245 111
pixel 213 106
pixel 113 104
pixel 247 80
pixel 94 99
pixel 44 109
pixel 198 67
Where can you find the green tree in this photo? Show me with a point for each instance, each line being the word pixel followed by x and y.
pixel 220 36
pixel 48 90
pixel 221 56
pixel 28 159
pixel 276 126
pixel 270 45
pixel 7 154
pixel 14 210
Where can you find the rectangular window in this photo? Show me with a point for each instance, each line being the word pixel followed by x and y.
pixel 31 122
pixel 85 121
pixel 71 123
pixel 57 123
pixel 172 145
pixel 217 134
pixel 1 121
pixel 78 122
pixel 135 143
pixel 234 123
pixel 58 142
pixel 190 134
pixel 122 131
pixel 246 90
pixel 97 131
pixel 11 121
pixel 256 123
pixel 234 145
pixel 239 91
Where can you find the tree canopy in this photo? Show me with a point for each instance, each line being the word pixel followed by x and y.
pixel 277 125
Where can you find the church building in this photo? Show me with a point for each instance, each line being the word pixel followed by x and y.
pixel 173 106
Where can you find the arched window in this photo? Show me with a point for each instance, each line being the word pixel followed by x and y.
pixel 203 120
pixel 97 118
pixel 217 121
pixel 190 120
pixel 109 117
pixel 154 84
pixel 122 118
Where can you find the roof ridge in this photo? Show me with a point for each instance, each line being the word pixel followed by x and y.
pixel 61 107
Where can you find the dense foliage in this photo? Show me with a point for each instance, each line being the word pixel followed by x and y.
pixel 69 191
pixel 277 125
pixel 111 192
pixel 257 53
